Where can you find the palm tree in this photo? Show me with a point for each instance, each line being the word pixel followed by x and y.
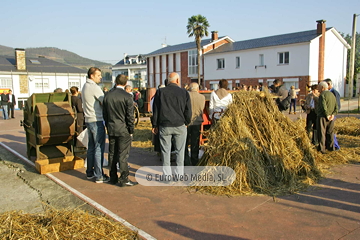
pixel 197 26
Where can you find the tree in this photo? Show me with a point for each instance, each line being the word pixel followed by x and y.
pixel 348 39
pixel 198 27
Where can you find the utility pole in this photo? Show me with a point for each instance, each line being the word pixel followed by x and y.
pixel 352 59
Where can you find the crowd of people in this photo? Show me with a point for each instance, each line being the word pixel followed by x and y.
pixel 177 116
pixel 322 105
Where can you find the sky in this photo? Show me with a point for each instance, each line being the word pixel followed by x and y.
pixel 105 30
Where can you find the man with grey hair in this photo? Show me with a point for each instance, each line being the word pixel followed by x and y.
pixel 128 89
pixel 193 130
pixel 171 114
pixel 326 111
pixel 337 95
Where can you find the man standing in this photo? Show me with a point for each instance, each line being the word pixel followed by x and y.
pixel 11 105
pixel 326 111
pixel 5 105
pixel 92 98
pixel 193 130
pixel 171 112
pixel 283 102
pixel 337 96
pixel 118 112
pixel 311 102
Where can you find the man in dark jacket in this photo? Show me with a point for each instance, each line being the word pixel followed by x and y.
pixel 171 114
pixel 118 112
pixel 5 105
pixel 11 105
pixel 326 111
pixel 193 130
pixel 283 102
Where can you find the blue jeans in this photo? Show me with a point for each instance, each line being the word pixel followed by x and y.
pixel 96 147
pixel 293 103
pixel 179 135
pixel 5 112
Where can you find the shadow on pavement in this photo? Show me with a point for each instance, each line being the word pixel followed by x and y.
pixel 193 234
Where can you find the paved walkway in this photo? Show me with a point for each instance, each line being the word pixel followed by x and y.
pixel 329 211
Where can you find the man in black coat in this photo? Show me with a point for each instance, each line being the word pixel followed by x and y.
pixel 171 114
pixel 118 112
pixel 5 105
pixel 11 104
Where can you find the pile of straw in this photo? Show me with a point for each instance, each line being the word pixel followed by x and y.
pixel 142 137
pixel 348 126
pixel 72 224
pixel 269 153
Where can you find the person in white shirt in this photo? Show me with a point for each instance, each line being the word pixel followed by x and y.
pixel 219 101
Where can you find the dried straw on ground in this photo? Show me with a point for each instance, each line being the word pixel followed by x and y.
pixel 71 224
pixel 348 126
pixel 142 136
pixel 269 153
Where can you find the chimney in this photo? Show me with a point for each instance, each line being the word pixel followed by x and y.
pixel 20 59
pixel 214 36
pixel 321 28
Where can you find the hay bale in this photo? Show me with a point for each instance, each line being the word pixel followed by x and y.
pixel 61 224
pixel 269 153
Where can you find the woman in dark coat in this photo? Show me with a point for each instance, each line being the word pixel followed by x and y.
pixel 77 104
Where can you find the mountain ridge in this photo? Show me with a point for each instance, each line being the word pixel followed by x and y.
pixel 59 55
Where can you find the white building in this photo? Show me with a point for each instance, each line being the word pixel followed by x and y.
pixel 298 59
pixel 182 59
pixel 133 66
pixel 25 76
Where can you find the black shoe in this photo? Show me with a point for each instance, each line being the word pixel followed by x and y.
pixel 128 183
pixel 90 176
pixel 113 181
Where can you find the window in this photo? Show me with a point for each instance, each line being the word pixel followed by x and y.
pixel 41 83
pixel 283 58
pixel 192 68
pixel 220 63
pixel 214 85
pixel 237 62
pixel 34 61
pixel 74 82
pixel 261 60
pixel 288 82
pixel 6 83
